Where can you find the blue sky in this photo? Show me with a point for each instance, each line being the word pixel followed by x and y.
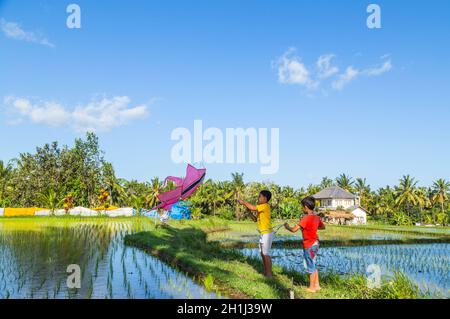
pixel 164 64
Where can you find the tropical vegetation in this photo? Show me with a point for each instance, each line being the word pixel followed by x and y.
pixel 61 177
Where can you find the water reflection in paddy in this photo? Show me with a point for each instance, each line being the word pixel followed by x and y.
pixel 34 259
pixel 426 264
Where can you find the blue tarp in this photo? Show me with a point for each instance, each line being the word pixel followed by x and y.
pixel 179 211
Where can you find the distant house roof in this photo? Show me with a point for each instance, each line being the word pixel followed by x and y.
pixel 334 192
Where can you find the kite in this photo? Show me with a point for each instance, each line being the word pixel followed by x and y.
pixel 185 187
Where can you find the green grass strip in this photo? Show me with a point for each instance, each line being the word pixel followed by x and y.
pixel 228 272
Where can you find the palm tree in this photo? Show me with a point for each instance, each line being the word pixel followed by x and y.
pixel 406 193
pixel 155 187
pixel 138 204
pixel 300 194
pixel 423 200
pixel 363 190
pixel 441 192
pixel 345 182
pixel 49 199
pixel 326 182
pixel 384 202
pixel 287 192
pixel 312 189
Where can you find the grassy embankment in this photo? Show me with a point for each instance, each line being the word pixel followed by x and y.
pixel 197 248
pixel 189 247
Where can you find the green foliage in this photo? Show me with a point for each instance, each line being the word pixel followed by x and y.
pixel 289 209
pixel 397 287
pixel 5 172
pixel 76 170
pixel 218 269
pixel 225 212
pixel 346 182
pixel 34 179
pixel 443 218
pixel 138 204
pixel 50 199
pixel 196 213
pixel 401 219
pixel 440 192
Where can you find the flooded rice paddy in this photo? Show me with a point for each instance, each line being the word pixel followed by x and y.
pixel 428 265
pixel 332 233
pixel 34 257
pixel 35 254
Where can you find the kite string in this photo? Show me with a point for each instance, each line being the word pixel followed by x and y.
pixel 274 229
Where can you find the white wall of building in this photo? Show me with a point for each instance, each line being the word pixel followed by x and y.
pixel 360 216
pixel 346 203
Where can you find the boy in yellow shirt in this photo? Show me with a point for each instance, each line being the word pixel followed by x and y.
pixel 264 226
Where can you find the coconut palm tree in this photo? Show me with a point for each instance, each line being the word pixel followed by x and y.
pixel 406 193
pixel 423 200
pixel 345 182
pixel 384 202
pixel 363 190
pixel 326 182
pixel 152 198
pixel 441 192
pixel 312 189
pixel 287 192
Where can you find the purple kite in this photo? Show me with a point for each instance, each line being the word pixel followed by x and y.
pixel 185 187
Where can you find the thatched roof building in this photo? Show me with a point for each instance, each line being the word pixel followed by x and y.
pixel 339 217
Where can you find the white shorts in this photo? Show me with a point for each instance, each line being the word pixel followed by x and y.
pixel 265 243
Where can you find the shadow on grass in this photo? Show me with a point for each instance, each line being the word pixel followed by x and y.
pixel 187 249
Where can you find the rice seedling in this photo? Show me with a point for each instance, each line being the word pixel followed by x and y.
pixel 208 282
pixel 426 265
pixel 34 254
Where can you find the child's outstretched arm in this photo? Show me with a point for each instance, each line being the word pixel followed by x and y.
pixel 248 205
pixel 294 229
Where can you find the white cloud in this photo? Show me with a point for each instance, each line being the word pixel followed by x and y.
pixel 98 115
pixel 106 114
pixel 324 66
pixel 325 75
pixel 14 31
pixel 345 78
pixel 292 71
pixel 379 70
